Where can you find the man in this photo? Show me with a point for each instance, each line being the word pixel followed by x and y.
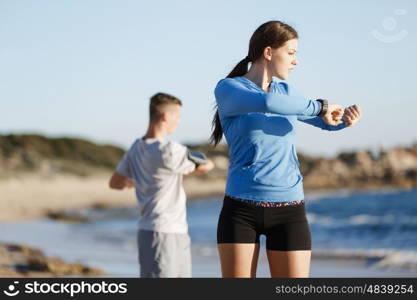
pixel 156 167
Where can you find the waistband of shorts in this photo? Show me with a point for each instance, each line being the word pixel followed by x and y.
pixel 266 203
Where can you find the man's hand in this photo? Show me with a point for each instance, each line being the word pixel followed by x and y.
pixel 119 182
pixel 202 169
pixel 352 115
pixel 334 115
pixel 129 183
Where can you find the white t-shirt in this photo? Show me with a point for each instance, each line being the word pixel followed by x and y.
pixel 157 168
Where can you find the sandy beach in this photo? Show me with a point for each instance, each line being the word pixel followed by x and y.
pixel 29 237
pixel 100 253
pixel 32 196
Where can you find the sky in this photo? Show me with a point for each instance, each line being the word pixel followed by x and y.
pixel 85 68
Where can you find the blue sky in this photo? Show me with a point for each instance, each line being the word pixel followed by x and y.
pixel 87 68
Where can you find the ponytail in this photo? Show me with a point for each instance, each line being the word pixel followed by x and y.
pixel 239 70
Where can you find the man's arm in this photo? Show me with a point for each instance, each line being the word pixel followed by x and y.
pixel 121 177
pixel 119 182
pixel 202 169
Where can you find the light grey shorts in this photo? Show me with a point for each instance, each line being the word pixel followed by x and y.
pixel 164 254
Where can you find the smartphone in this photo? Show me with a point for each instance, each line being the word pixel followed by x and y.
pixel 197 157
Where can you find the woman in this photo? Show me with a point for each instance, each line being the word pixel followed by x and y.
pixel 257 112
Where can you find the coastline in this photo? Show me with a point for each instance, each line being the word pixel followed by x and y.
pixel 28 200
pixel 30 197
pixel 34 196
pixel 18 260
pixel 54 256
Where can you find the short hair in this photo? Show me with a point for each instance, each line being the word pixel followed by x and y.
pixel 158 104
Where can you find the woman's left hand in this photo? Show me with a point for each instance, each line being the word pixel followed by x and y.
pixel 351 115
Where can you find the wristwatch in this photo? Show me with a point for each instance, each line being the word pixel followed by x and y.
pixel 324 107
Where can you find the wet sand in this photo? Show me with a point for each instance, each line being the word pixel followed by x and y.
pixel 25 201
pixel 116 255
pixel 29 197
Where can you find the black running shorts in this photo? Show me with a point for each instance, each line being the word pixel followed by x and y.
pixel 286 228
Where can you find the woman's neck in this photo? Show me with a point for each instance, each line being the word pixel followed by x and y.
pixel 259 75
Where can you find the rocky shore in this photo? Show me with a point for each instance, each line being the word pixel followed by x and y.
pixel 393 168
pixel 24 261
pixel 42 176
pixel 50 157
pixel 61 178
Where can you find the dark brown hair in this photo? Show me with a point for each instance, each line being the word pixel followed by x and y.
pixel 273 34
pixel 158 102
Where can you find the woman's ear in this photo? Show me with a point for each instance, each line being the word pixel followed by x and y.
pixel 268 53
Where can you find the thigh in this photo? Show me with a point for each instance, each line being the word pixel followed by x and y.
pixel 288 242
pixel 148 254
pixel 237 223
pixel 287 229
pixel 184 256
pixel 292 236
pixel 238 239
pixel 295 264
pixel 238 260
pixel 159 254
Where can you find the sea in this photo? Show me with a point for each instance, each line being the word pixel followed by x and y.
pixel 354 234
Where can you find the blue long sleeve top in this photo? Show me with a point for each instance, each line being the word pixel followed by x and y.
pixel 260 129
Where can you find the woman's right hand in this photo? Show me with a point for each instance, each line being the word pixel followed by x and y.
pixel 334 114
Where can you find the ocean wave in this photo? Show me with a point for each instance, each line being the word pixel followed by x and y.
pixel 379 257
pixel 362 219
pixel 315 196
pixel 382 258
pixel 368 219
pixel 205 250
pixel 322 220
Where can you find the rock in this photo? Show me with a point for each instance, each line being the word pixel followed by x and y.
pixel 23 261
pixel 399 160
pixel 54 156
pixel 67 216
